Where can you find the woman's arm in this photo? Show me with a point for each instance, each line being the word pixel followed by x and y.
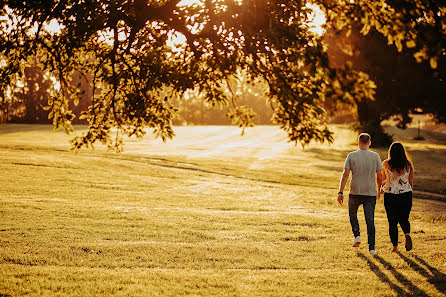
pixel 411 175
pixel 384 170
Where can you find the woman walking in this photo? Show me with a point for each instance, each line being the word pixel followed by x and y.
pixel 398 176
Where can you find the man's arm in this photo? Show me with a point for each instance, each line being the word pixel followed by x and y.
pixel 342 183
pixel 379 181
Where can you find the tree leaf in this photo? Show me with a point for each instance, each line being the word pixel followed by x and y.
pixel 433 62
pixel 411 43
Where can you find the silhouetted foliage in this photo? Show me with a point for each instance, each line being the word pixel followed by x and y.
pixel 84 97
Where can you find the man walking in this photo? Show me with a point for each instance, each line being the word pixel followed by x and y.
pixel 365 184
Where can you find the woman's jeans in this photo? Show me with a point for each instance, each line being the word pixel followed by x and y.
pixel 368 203
pixel 398 208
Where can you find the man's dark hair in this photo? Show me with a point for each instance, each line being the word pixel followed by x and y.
pixel 364 138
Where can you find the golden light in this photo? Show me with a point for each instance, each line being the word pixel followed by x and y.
pixel 315 21
pixel 53 27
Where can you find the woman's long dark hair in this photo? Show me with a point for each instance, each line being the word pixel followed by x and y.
pixel 399 159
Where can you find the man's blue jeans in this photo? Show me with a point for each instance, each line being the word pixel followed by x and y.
pixel 368 203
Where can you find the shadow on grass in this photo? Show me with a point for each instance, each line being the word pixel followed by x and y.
pixel 404 282
pixel 434 277
pixel 384 278
pixel 329 154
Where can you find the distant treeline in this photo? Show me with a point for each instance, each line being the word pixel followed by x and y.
pixel 26 102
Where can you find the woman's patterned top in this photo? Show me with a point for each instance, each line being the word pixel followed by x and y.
pixel 396 183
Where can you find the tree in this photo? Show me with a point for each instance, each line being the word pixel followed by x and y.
pixel 25 102
pixel 418 25
pixel 417 28
pixel 193 109
pixel 403 85
pixel 33 96
pixel 126 47
pixel 8 106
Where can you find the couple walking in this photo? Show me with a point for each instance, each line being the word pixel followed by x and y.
pixel 394 176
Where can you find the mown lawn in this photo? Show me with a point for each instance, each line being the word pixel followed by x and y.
pixel 208 214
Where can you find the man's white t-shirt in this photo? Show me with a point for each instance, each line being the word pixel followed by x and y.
pixel 363 164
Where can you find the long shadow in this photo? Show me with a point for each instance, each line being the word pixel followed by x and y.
pixel 414 290
pixel 434 277
pixel 399 290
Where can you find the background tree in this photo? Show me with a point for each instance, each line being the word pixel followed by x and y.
pixel 127 47
pixel 418 25
pixel 32 96
pixel 25 102
pixel 8 106
pixel 194 110
pixel 404 86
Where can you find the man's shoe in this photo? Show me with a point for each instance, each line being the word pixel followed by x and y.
pixel 408 244
pixel 357 241
pixel 372 252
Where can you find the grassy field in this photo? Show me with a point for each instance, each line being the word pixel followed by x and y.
pixel 210 213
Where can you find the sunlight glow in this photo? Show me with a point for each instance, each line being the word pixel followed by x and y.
pixel 56 83
pixel 316 19
pixel 198 2
pixel 53 27
pixel 190 2
pixel 176 41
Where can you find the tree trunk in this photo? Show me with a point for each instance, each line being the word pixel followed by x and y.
pixel 370 122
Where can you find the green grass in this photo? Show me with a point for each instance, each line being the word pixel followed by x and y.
pixel 208 214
